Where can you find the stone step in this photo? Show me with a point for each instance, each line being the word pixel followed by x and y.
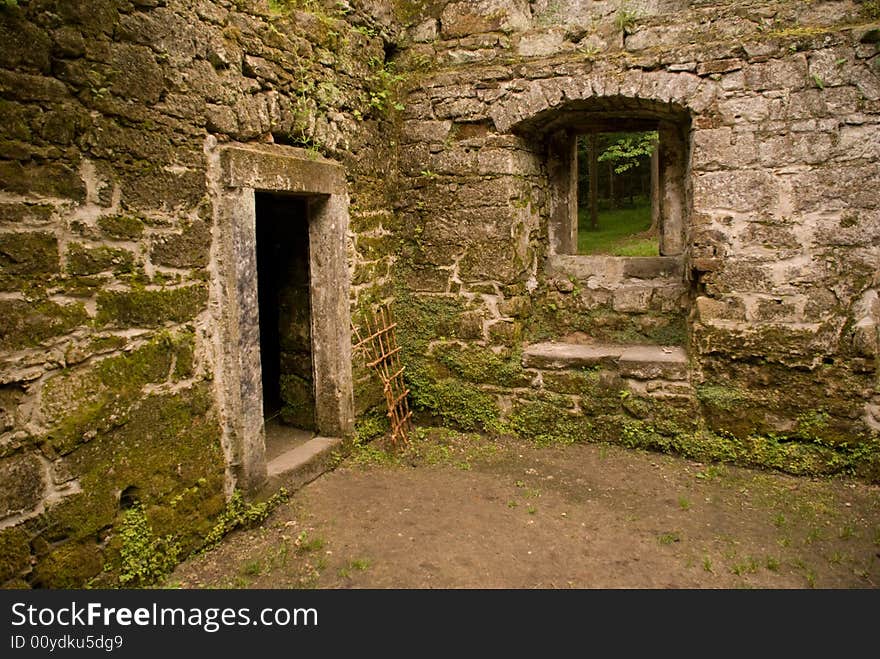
pixel 643 362
pixel 302 464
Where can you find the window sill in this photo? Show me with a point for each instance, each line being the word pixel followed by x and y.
pixel 615 268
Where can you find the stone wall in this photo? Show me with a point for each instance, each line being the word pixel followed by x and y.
pixel 775 303
pixel 755 341
pixel 108 260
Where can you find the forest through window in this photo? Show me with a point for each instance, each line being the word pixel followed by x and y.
pixel 617 180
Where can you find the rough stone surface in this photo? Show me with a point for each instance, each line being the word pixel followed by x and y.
pixel 128 126
pixel 21 484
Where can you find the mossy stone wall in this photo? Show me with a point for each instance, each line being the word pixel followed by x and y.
pixel 107 259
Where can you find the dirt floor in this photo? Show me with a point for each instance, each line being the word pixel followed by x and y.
pixel 467 511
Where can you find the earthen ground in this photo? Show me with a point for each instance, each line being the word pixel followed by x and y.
pixel 469 511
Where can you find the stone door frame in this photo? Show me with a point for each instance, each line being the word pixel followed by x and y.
pixel 238 172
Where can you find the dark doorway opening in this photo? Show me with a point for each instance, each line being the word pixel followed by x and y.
pixel 283 288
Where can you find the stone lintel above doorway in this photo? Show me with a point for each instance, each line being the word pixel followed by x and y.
pixel 281 168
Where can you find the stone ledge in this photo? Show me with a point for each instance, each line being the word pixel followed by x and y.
pixel 616 268
pixel 643 362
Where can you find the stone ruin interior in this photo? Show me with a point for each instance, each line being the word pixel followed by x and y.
pixel 198 198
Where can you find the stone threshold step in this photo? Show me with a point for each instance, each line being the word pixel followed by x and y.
pixel 645 362
pixel 301 464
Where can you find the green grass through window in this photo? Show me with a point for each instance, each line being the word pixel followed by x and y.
pixel 621 232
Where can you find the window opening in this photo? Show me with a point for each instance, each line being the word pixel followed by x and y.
pixel 616 190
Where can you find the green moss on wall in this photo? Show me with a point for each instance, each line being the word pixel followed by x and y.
pixel 95 398
pixel 90 261
pixel 168 452
pixel 421 320
pixel 15 553
pixel 546 422
pixel 25 324
pixel 121 227
pixel 455 403
pixel 28 253
pixel 68 566
pixel 142 308
pixel 765 450
pixel 480 365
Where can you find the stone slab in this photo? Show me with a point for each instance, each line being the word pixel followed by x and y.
pixel 570 355
pixel 652 362
pixel 643 362
pixel 302 464
pixel 282 168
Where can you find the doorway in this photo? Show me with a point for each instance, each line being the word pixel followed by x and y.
pixel 282 307
pixel 283 280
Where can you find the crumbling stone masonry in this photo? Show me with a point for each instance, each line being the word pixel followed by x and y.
pixel 753 335
pixel 130 369
pixel 427 145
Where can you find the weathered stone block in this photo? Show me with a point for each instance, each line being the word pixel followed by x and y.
pixel 770 236
pixel 719 66
pixel 188 249
pixel 860 142
pixel 49 179
pixel 460 19
pixel 653 362
pixel 31 253
pixel 790 73
pixel 506 161
pixel 722 148
pixel 15 552
pixel 516 307
pixel 221 119
pixel 570 382
pixel 460 226
pixel 424 32
pixel 569 355
pixel 22 484
pixel 749 109
pixel 830 67
pixel 26 87
pixel 470 325
pixel 461 109
pixel 632 299
pixel 542 43
pixel 738 277
pixel 741 191
pixel 27 324
pixel 90 261
pixel 426 131
pixel 504 332
pixel 424 278
pixel 121 227
pixel 150 308
pixel 788 344
pixel 158 188
pixel 25 46
pixel 729 308
pixel 776 310
pixel 654 36
pixel 837 188
pixel 493 260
